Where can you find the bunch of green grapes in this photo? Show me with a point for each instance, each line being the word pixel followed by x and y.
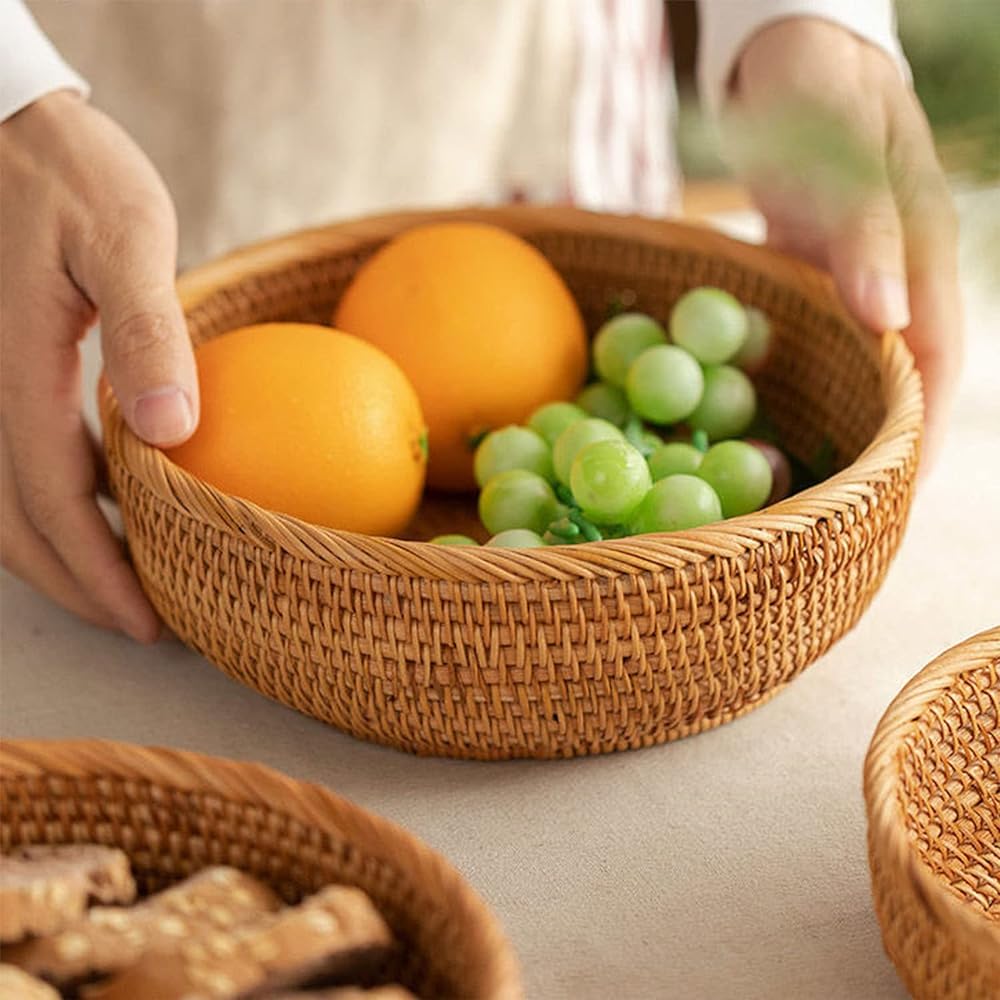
pixel 601 466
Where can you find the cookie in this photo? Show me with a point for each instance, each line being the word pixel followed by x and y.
pixel 44 888
pixel 335 936
pixel 106 939
pixel 18 985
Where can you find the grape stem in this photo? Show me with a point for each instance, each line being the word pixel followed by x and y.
pixel 633 432
pixel 588 529
pixel 564 528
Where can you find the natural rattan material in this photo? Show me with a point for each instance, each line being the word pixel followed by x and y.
pixel 495 653
pixel 932 786
pixel 174 813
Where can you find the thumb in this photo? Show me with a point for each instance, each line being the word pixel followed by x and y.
pixel 148 357
pixel 866 256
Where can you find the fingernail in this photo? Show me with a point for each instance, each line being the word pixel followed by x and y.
pixel 163 416
pixel 885 301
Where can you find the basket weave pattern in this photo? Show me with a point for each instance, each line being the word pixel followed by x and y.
pixel 174 813
pixel 491 653
pixel 932 786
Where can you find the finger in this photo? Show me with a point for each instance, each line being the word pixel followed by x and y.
pixel 147 352
pixel 866 258
pixel 51 453
pixel 930 225
pixel 29 556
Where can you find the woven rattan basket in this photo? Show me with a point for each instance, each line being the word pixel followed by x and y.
pixel 174 812
pixel 539 653
pixel 932 786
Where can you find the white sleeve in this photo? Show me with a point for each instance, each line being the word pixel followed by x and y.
pixel 30 66
pixel 725 26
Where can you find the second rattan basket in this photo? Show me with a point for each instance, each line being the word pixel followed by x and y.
pixel 539 653
pixel 932 787
pixel 175 812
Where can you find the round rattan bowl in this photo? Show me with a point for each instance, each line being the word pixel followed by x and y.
pixel 932 788
pixel 175 812
pixel 581 649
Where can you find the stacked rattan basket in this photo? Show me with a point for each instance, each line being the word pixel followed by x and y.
pixel 932 786
pixel 490 653
pixel 174 813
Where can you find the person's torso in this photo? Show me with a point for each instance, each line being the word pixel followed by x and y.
pixel 267 115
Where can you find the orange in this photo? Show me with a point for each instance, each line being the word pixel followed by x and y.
pixel 311 422
pixel 481 323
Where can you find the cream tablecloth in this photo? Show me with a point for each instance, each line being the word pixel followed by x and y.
pixel 729 866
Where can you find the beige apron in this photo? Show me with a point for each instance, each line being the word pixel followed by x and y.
pixel 266 115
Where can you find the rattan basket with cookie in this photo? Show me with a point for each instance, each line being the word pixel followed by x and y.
pixel 634 636
pixel 131 872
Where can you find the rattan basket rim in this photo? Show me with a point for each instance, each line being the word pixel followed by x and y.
pixel 892 448
pixel 256 784
pixel 886 818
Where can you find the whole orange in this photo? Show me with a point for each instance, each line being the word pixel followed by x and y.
pixel 311 422
pixel 482 324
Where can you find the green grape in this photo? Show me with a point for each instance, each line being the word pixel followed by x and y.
pixel 516 538
pixel 675 504
pixel 609 479
pixel 551 419
pixel 756 349
pixel 710 323
pixel 512 448
pixel 727 405
pixel 621 340
pixel 575 438
pixel 664 384
pixel 740 474
pixel 673 458
pixel 601 399
pixel 453 540
pixel 517 499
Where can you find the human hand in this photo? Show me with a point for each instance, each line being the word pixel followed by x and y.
pixel 87 230
pixel 891 243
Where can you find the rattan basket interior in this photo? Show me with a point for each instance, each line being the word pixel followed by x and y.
pixel 175 812
pixel 497 653
pixel 932 788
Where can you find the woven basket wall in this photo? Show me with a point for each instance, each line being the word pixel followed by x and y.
pixel 932 787
pixel 539 653
pixel 174 813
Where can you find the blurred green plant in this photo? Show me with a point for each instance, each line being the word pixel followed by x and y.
pixel 954 51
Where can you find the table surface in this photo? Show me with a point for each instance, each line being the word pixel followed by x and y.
pixel 727 866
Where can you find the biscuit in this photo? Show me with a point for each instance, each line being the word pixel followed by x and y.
pixel 106 939
pixel 18 985
pixel 334 937
pixel 44 888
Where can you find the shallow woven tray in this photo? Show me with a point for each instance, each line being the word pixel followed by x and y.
pixel 175 812
pixel 932 787
pixel 539 653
